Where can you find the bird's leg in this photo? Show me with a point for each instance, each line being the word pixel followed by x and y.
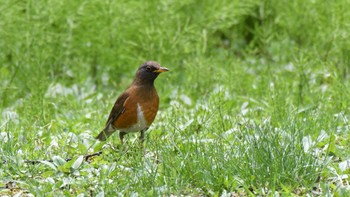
pixel 142 136
pixel 121 136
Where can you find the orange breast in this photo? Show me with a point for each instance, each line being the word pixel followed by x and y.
pixel 148 102
pixel 150 110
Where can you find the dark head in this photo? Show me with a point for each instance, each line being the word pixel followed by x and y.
pixel 148 72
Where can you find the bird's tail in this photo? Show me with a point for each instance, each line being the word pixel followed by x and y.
pixel 106 132
pixel 104 135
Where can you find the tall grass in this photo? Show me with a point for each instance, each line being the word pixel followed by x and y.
pixel 256 102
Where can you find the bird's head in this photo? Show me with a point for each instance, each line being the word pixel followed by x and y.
pixel 148 72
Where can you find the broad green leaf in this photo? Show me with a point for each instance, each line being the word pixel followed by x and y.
pixel 111 168
pixel 101 194
pixel 49 164
pixel 78 162
pixel 58 161
pixel 48 173
pixel 99 146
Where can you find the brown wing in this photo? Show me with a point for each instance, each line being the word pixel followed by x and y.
pixel 117 109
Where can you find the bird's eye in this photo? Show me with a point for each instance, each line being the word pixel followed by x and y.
pixel 148 68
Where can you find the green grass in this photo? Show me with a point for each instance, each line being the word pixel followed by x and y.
pixel 256 103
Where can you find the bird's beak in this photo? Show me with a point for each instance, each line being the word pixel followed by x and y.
pixel 161 70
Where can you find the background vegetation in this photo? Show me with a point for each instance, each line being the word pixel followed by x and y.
pixel 256 103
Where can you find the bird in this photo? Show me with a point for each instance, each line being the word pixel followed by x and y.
pixel 136 108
